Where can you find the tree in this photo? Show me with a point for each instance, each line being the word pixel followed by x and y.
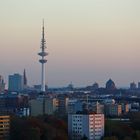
pixel 138 135
pixel 128 138
pixel 38 128
pixel 31 134
pixel 110 138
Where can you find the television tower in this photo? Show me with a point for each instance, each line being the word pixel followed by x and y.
pixel 43 60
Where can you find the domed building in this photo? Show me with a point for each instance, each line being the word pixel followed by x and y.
pixel 95 86
pixel 110 85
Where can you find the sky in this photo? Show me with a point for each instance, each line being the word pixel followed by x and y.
pixel 87 40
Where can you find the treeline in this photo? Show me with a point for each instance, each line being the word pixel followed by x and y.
pixel 38 128
pixel 123 130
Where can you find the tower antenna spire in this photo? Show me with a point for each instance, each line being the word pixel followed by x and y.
pixel 43 34
pixel 43 54
pixel 43 22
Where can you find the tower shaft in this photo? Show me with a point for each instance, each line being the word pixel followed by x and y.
pixel 43 78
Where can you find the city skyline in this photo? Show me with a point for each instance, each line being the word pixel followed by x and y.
pixel 88 41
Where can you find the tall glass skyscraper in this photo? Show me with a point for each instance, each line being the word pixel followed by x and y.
pixel 15 82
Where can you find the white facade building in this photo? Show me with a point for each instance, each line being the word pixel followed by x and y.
pixel 89 125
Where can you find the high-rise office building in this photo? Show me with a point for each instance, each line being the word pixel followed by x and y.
pixel 15 82
pixel 86 124
pixel 2 84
